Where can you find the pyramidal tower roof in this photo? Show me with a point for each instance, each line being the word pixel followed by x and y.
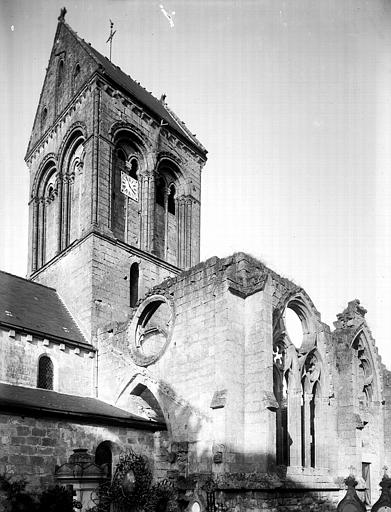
pixel 158 108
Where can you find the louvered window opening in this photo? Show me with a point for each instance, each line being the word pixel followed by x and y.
pixel 45 373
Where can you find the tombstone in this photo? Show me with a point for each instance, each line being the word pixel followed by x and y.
pixel 383 504
pixel 351 502
pixel 82 474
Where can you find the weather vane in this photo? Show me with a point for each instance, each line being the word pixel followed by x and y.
pixel 110 38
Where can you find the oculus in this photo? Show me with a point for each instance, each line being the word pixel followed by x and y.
pixel 151 329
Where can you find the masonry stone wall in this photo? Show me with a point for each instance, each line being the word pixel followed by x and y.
pixel 222 344
pixel 32 447
pixel 20 353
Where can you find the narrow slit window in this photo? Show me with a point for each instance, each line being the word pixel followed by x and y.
pixel 133 285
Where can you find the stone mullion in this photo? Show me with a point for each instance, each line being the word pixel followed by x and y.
pixel 294 426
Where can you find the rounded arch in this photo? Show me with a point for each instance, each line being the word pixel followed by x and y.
pixel 48 162
pixel 121 130
pixel 169 169
pixel 75 135
pixel 104 456
pixel 45 372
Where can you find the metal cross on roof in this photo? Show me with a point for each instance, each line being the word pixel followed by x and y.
pixel 110 38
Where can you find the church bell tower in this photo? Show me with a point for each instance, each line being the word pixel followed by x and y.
pixel 114 189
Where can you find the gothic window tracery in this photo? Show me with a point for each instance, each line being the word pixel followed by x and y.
pixel 310 388
pixel 296 385
pixel 363 373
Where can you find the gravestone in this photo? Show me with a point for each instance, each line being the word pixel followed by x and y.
pixel 351 502
pixel 383 504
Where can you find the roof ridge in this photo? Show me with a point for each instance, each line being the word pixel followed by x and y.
pixel 28 280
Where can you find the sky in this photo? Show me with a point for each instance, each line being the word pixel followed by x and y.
pixel 292 99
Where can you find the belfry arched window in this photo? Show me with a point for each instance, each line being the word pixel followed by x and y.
pixel 72 168
pixel 125 204
pixel 166 224
pixel 45 373
pixel 46 215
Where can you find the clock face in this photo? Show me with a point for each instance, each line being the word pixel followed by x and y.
pixel 129 186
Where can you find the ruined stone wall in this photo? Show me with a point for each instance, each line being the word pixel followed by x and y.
pixel 20 353
pixel 32 447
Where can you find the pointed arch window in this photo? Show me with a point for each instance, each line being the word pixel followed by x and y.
pixel 45 373
pixel 72 190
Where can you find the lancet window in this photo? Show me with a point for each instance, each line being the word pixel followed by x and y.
pixel 363 370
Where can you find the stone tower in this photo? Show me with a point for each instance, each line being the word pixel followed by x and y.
pixel 115 182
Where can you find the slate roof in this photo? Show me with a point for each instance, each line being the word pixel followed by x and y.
pixel 36 309
pixel 139 93
pixel 50 403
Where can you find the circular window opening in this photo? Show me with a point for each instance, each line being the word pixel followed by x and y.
pixel 293 327
pixel 152 326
